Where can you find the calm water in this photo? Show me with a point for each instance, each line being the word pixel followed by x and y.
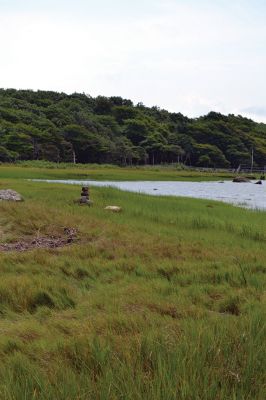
pixel 241 194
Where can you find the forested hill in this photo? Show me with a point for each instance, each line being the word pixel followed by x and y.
pixel 60 127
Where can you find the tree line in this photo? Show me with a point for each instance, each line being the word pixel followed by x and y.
pixel 46 125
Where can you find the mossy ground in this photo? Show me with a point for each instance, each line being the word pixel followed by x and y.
pixel 165 300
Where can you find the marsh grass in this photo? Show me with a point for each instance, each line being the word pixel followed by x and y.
pixel 49 170
pixel 165 300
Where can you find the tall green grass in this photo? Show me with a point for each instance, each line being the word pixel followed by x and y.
pixel 165 300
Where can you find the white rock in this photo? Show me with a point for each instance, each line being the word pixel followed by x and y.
pixel 113 208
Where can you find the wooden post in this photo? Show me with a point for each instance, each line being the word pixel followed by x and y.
pixel 252 159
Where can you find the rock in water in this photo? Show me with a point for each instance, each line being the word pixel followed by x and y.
pixel 241 179
pixel 10 195
pixel 113 208
pixel 258 183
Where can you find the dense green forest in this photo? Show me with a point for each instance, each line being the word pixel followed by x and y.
pixel 46 125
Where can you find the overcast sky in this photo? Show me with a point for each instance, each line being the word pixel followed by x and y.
pixel 189 56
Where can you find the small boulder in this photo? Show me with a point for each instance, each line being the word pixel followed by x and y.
pixel 10 195
pixel 241 179
pixel 258 183
pixel 113 208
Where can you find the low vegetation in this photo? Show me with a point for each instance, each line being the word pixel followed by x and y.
pixel 165 300
pixel 49 170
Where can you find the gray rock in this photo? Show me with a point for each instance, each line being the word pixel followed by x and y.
pixel 10 195
pixel 241 179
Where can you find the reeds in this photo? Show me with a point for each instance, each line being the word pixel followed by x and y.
pixel 165 300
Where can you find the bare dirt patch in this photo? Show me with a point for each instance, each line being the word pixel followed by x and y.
pixel 43 242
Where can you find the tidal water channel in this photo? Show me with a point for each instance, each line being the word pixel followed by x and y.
pixel 247 195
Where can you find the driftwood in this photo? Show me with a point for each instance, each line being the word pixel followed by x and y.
pixel 42 242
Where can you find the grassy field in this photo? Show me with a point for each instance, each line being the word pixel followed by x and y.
pixel 47 170
pixel 165 300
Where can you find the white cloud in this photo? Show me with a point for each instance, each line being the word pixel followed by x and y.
pixel 185 56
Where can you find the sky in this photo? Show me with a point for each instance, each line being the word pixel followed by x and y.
pixel 189 56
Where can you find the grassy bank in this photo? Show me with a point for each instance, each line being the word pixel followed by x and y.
pixel 165 300
pixel 46 170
